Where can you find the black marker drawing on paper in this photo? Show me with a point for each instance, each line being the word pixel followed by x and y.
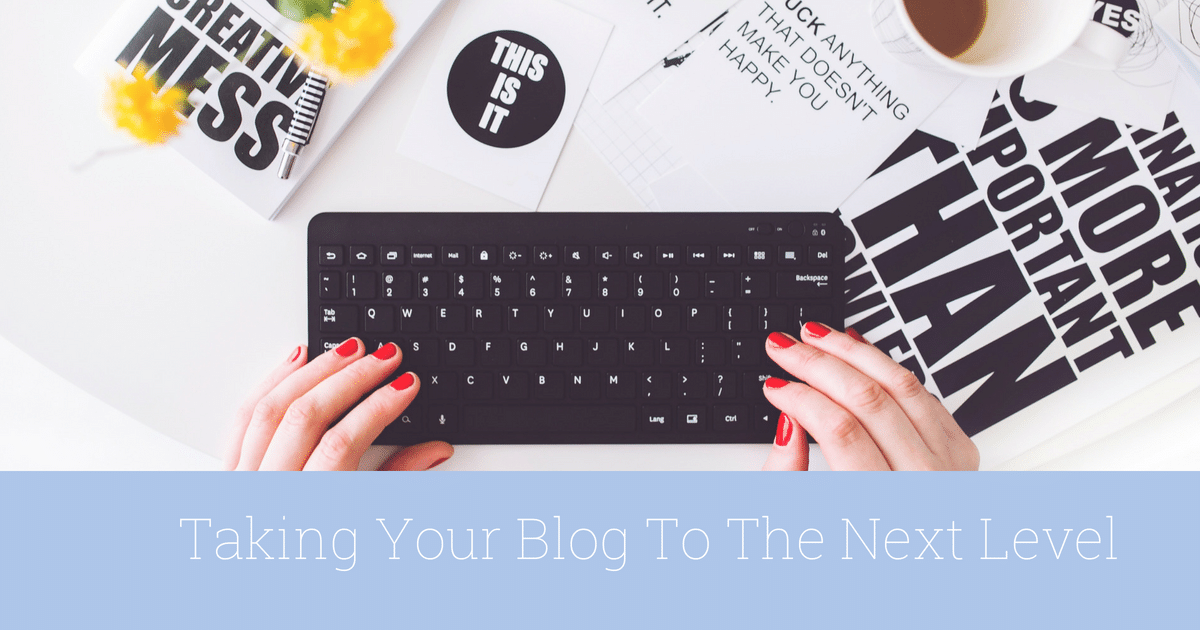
pixel 1145 49
pixel 1189 25
pixel 678 56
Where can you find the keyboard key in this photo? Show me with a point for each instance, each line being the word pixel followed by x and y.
pixel 685 285
pixel 669 254
pixel 773 318
pixel 454 255
pixel 339 319
pixel 612 285
pixel 820 255
pixel 558 319
pixel 666 319
pixel 392 255
pixel 415 319
pixel 468 285
pixel 330 255
pixel 397 285
pixel 423 255
pixel 813 313
pixel 484 255
pixel 758 255
pixel 505 285
pixel 720 284
pixel 598 419
pixel 362 255
pixel 575 255
pixel 577 285
pixel 746 352
pixel 545 255
pixel 420 353
pixel 655 417
pixel 540 285
pixel 691 385
pixel 522 319
pixel 360 285
pixel 601 352
pixel 593 319
pixel 737 318
pixel 451 319
pixel 636 255
pixel 724 385
pixel 433 285
pixel 731 418
pixel 441 420
pixel 639 352
pixel 691 417
pixel 631 319
pixel 477 385
pixel 648 285
pixel 729 255
pixel 379 319
pixel 531 352
pixel 495 352
pixel 440 386
pixel 702 318
pixel 549 386
pixel 804 284
pixel 790 255
pixel 607 255
pixel 566 352
pixel 756 284
pixel 487 318
pixel 656 385
pixel 583 386
pixel 673 352
pixel 330 285
pixel 699 255
pixel 515 254
pixel 621 386
pixel 459 352
pixel 710 352
pixel 512 386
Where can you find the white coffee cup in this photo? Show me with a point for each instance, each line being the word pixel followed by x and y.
pixel 1018 36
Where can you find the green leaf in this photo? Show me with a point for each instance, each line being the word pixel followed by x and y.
pixel 300 10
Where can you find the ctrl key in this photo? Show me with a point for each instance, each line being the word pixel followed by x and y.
pixel 339 319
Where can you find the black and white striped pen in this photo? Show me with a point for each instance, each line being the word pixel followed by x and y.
pixel 304 116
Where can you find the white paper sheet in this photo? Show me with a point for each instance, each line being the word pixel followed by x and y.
pixel 960 117
pixel 792 110
pixel 1180 23
pixel 643 33
pixel 515 106
pixel 1138 92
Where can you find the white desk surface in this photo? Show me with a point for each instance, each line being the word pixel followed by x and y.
pixel 134 318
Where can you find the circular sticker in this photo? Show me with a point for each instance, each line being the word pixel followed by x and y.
pixel 506 89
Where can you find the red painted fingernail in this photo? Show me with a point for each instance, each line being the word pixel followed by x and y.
pixel 855 336
pixel 295 354
pixel 783 434
pixel 404 382
pixel 437 463
pixel 385 352
pixel 774 383
pixel 348 347
pixel 780 340
pixel 815 329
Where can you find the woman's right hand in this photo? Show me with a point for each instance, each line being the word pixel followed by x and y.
pixel 865 410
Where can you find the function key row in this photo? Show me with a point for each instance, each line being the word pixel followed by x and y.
pixel 573 255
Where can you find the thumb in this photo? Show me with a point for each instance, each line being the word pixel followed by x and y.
pixel 419 456
pixel 790 449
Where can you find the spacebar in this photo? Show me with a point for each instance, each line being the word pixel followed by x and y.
pixel 550 419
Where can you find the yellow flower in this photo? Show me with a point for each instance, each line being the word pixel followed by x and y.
pixel 351 44
pixel 136 106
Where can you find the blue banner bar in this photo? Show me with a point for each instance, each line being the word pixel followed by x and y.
pixel 599 549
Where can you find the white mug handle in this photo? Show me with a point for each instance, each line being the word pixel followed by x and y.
pixel 1099 47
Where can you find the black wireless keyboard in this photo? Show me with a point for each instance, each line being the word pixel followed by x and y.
pixel 534 328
